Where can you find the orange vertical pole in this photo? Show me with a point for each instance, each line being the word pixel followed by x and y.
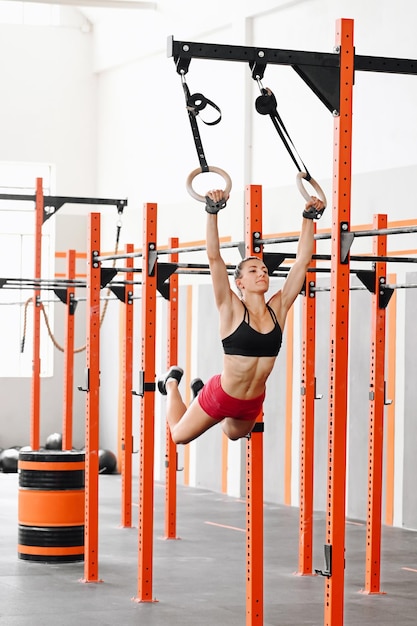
pixel 69 356
pixel 172 359
pixel 308 393
pixel 127 386
pixel 254 454
pixel 92 403
pixel 390 433
pixel 339 336
pixel 36 360
pixel 376 417
pixel 147 433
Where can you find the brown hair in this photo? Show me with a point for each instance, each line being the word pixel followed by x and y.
pixel 238 269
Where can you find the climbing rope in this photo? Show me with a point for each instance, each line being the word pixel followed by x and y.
pixel 57 345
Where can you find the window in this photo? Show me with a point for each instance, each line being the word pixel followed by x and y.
pixel 17 228
pixel 29 13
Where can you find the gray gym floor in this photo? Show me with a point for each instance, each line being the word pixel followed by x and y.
pixel 198 580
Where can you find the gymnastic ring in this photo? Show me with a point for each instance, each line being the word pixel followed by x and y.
pixel 314 184
pixel 215 170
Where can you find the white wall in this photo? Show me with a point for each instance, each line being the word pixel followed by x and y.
pixel 48 116
pixel 49 103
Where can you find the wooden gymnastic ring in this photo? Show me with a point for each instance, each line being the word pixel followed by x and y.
pixel 215 170
pixel 314 184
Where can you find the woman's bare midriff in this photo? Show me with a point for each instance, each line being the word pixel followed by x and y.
pixel 244 377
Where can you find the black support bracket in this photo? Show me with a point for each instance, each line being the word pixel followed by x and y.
pixel 164 272
pixel 346 240
pixel 143 387
pixel 327 571
pixel 273 260
pixel 86 381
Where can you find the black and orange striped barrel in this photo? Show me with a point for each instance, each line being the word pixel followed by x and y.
pixel 51 506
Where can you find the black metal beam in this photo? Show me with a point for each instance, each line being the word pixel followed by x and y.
pixel 388 65
pixel 248 54
pixel 53 203
pixel 319 70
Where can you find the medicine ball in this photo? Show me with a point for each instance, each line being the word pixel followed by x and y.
pixel 54 442
pixel 107 462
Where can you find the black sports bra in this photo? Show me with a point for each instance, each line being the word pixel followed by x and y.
pixel 246 341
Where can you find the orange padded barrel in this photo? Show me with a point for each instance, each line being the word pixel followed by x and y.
pixel 51 506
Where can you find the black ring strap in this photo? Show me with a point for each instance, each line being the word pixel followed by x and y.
pixel 194 104
pixel 266 104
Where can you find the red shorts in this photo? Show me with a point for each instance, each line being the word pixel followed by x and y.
pixel 218 404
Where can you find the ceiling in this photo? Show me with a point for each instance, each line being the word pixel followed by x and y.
pixel 96 10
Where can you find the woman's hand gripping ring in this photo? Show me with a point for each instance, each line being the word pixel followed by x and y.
pixel 313 213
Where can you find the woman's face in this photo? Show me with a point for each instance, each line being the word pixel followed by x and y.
pixel 254 276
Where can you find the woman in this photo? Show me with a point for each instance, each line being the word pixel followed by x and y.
pixel 251 331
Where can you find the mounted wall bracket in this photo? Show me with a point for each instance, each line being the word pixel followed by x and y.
pixel 143 386
pixel 327 571
pixel 165 270
pixel 106 275
pixel 62 294
pixel 368 279
pixel 273 260
pixel 86 381
pixel 346 240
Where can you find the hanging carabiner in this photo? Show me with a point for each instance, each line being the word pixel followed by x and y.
pixel 258 80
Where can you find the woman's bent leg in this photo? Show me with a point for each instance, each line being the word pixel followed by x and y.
pixel 185 424
pixel 236 429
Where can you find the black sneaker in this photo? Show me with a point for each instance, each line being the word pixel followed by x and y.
pixel 173 372
pixel 196 386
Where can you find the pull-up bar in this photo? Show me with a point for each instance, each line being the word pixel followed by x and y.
pixel 398 230
pixel 183 249
pixel 319 70
pixel 54 203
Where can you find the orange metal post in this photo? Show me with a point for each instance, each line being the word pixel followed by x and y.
pixel 36 365
pixel 339 335
pixel 376 418
pixel 127 386
pixel 172 359
pixel 92 402
pixel 254 464
pixel 69 356
pixel 308 393
pixel 147 434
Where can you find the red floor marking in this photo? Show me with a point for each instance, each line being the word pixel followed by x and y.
pixel 242 530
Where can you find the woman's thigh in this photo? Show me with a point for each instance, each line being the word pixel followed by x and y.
pixel 237 428
pixel 193 423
